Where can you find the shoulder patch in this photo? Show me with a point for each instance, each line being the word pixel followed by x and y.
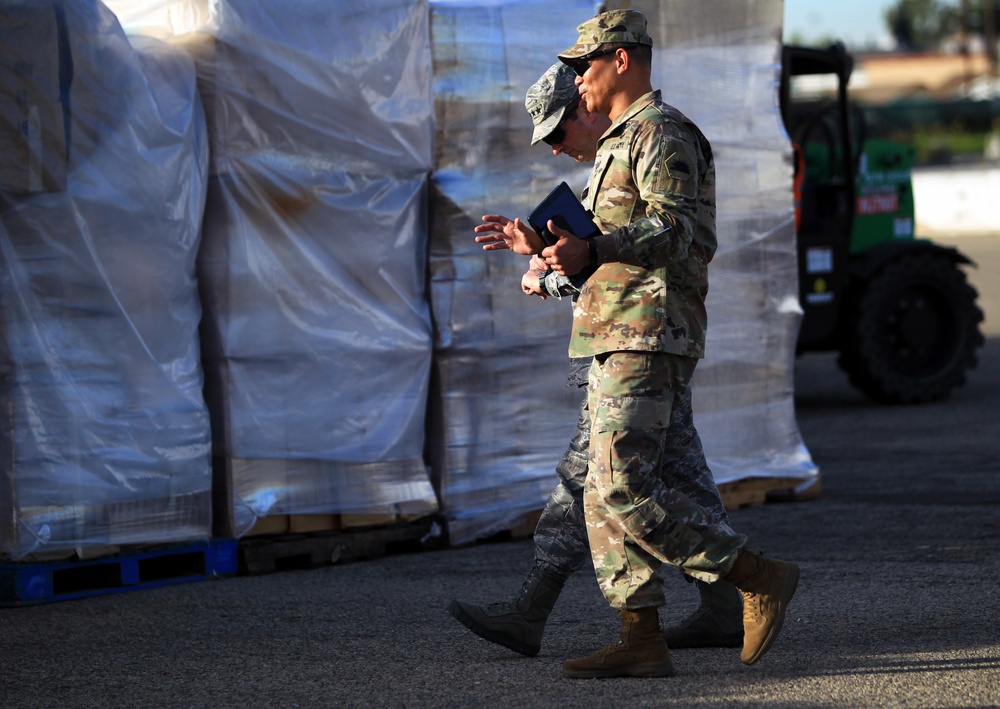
pixel 677 167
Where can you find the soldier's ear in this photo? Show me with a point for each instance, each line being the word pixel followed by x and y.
pixel 622 60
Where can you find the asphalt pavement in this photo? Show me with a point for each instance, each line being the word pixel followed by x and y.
pixel 898 605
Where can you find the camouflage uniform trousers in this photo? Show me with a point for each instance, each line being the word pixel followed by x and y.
pixel 561 533
pixel 637 516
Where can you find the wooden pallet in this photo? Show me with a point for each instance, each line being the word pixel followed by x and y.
pixel 307 523
pixel 266 554
pixel 521 528
pixel 803 491
pixel 23 584
pixel 753 492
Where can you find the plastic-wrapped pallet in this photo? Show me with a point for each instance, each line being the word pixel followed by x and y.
pixel 722 70
pixel 317 343
pixel 104 432
pixel 503 411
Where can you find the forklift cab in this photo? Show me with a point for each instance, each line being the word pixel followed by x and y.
pixel 825 173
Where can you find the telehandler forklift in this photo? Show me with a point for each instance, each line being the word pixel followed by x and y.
pixel 898 309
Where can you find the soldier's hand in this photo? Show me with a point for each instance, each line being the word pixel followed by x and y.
pixel 538 263
pixel 498 232
pixel 531 283
pixel 569 255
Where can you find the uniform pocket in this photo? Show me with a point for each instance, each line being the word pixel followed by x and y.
pixel 630 413
pixel 631 391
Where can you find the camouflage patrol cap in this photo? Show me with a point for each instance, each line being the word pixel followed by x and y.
pixel 549 97
pixel 614 27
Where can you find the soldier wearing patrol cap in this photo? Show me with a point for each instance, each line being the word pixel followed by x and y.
pixel 551 100
pixel 560 538
pixel 560 535
pixel 641 316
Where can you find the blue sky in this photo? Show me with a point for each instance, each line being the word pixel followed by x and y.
pixel 856 22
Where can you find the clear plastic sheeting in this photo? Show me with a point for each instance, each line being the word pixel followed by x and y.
pixel 722 70
pixel 105 435
pixel 317 334
pixel 322 351
pixel 504 412
pixel 162 19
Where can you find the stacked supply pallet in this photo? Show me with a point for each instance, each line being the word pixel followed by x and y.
pixel 103 428
pixel 316 334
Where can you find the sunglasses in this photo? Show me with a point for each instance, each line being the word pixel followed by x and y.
pixel 581 65
pixel 558 133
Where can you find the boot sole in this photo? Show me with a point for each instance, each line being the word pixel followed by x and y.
pixel 787 591
pixel 658 669
pixel 486 634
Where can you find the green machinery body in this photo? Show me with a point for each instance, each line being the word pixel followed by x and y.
pixel 897 308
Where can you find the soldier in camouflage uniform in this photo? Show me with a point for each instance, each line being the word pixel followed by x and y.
pixel 560 537
pixel 641 315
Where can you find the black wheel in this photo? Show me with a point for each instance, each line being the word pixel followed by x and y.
pixel 915 331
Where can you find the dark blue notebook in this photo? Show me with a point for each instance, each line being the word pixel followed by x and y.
pixel 563 208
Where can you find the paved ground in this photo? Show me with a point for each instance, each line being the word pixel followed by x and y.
pixel 984 251
pixel 898 604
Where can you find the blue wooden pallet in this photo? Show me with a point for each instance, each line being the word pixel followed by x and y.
pixel 24 584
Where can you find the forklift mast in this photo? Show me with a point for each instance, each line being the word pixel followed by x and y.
pixel 826 162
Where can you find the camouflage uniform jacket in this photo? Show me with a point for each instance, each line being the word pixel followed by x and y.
pixel 652 193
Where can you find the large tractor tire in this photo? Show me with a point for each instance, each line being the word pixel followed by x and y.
pixel 915 330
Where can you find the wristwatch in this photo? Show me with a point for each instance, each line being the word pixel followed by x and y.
pixel 541 281
pixel 592 248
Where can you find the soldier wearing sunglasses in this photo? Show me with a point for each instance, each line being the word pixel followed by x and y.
pixel 641 316
pixel 560 539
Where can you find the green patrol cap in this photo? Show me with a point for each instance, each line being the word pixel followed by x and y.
pixel 549 97
pixel 614 27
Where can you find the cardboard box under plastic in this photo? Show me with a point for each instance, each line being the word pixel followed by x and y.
pixel 35 68
pixel 251 496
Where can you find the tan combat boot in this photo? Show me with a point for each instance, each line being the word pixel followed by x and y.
pixel 639 652
pixel 767 586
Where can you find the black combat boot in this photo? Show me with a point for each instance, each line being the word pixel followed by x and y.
pixel 718 621
pixel 517 624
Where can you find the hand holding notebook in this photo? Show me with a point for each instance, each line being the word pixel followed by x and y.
pixel 565 210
